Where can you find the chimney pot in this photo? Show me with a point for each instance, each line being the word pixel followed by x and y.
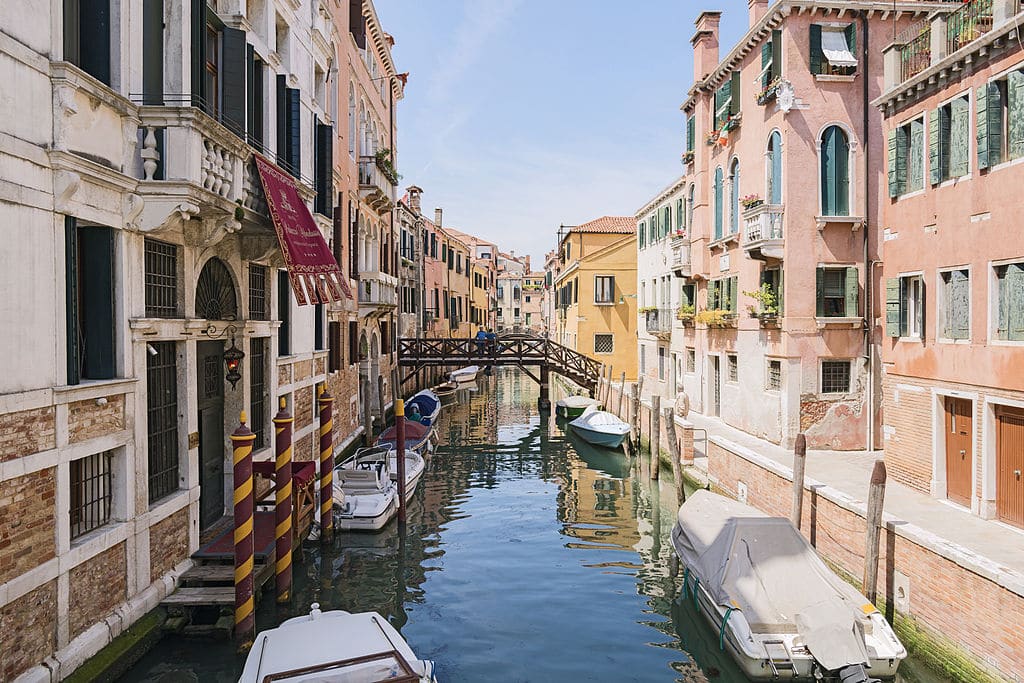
pixel 437 216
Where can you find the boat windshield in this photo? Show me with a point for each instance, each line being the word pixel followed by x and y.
pixel 383 666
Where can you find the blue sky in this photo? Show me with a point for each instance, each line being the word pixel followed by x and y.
pixel 520 115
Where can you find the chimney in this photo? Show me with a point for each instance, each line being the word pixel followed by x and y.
pixel 414 198
pixel 756 9
pixel 437 216
pixel 705 44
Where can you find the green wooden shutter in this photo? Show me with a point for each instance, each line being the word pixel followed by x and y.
pixel 281 103
pixel 71 299
pixel 718 203
pixel 934 169
pixel 902 150
pixel 1014 287
pixel 851 38
pixel 96 294
pixel 734 94
pixel 1015 109
pixel 894 184
pixel 94 26
pixel 733 292
pixel 921 310
pixel 643 227
pixel 232 80
pixel 776 54
pixel 916 156
pixel 981 125
pixel 904 308
pixel 324 169
pixel 995 124
pixel 667 227
pixel 892 307
pixel 294 132
pixel 852 293
pixel 835 176
pixel 152 52
pixel 766 61
pixel 680 216
pixel 959 318
pixel 690 134
pixel 816 54
pixel 819 292
pixel 955 152
pixel 197 36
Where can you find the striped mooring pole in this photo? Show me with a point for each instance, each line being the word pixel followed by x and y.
pixel 326 468
pixel 400 456
pixel 245 616
pixel 283 503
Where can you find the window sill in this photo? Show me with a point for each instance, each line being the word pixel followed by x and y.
pixel 1006 342
pixel 829 78
pixel 947 340
pixel 854 322
pixel 953 182
pixel 910 339
pixel 93 388
pixel 722 241
pixel 604 303
pixel 855 222
pixel 911 193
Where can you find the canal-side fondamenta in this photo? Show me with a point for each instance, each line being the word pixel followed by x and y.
pixel 528 556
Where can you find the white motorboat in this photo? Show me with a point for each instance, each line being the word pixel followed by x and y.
pixel 334 646
pixel 414 464
pixel 600 428
pixel 365 497
pixel 423 407
pixel 780 612
pixel 573 406
pixel 466 374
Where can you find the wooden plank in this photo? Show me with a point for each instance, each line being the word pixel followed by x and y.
pixel 196 596
pixel 223 573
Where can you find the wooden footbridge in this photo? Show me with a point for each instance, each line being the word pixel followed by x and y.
pixel 521 351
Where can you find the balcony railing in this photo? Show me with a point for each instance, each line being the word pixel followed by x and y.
pixel 374 185
pixel 659 322
pixel 680 264
pixel 763 231
pixel 377 289
pixel 968 23
pixel 915 49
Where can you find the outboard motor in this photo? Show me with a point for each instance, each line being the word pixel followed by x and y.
pixel 855 673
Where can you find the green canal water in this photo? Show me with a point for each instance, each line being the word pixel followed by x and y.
pixel 528 556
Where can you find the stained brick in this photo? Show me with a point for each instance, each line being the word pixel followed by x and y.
pixel 27 432
pixel 28 630
pixel 87 420
pixel 27 518
pixel 168 543
pixel 98 586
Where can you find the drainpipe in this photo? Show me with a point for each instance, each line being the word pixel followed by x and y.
pixel 868 299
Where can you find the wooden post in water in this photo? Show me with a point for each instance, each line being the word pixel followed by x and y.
pixel 876 501
pixel 245 616
pixel 673 449
pixel 367 415
pixel 655 435
pixel 283 503
pixel 799 461
pixel 400 456
pixel 634 417
pixel 608 389
pixel 622 394
pixel 326 467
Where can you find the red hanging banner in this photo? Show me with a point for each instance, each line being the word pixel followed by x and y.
pixel 312 270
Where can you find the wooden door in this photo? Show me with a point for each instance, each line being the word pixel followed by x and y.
pixel 210 389
pixel 716 381
pixel 959 432
pixel 1010 465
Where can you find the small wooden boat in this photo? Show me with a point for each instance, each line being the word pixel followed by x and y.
pixel 778 610
pixel 334 646
pixel 365 497
pixel 466 374
pixel 417 436
pixel 600 428
pixel 573 406
pixel 423 407
pixel 445 390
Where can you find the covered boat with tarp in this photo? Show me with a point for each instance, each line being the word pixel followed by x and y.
pixel 417 436
pixel 777 608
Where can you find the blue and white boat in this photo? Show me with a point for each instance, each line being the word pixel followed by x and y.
pixel 600 428
pixel 423 407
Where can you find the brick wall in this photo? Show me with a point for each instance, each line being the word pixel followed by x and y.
pixel 27 432
pixel 28 630
pixel 27 515
pixel 86 420
pixel 320 366
pixel 343 386
pixel 908 442
pixel 98 585
pixel 284 374
pixel 302 370
pixel 168 544
pixel 961 605
pixel 303 404
pixel 304 448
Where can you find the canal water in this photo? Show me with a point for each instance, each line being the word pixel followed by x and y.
pixel 528 556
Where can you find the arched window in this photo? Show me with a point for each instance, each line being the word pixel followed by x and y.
pixel 718 203
pixel 835 172
pixel 734 196
pixel 361 148
pixel 215 292
pixel 680 216
pixel 351 120
pixel 773 170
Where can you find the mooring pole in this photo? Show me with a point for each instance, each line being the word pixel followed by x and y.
pixel 544 402
pixel 367 415
pixel 622 393
pixel 655 435
pixel 400 455
pixel 673 449
pixel 634 417
pixel 380 399
pixel 326 467
pixel 283 503
pixel 245 617
pixel 799 464
pixel 876 501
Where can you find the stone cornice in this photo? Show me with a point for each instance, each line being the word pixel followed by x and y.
pixel 672 188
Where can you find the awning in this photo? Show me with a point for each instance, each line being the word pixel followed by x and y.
pixel 835 49
pixel 312 270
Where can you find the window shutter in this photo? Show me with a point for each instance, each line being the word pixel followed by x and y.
pixel 690 134
pixel 995 124
pixel 72 46
pixel 902 151
pixel 1015 109
pixel 642 234
pixel 357 23
pixel 893 313
pixel 337 221
pixel 1014 281
pixel 353 242
pixel 852 292
pixel 96 295
pixel 842 146
pixel 776 54
pixel 816 55
pixel 766 61
pixel 680 216
pixel 921 309
pixel 981 125
pixel 775 179
pixel 71 298
pixel 324 168
pixel 353 342
pixel 283 313
pixel 294 132
pixel 152 51
pixel 894 184
pixel 733 292
pixel 934 168
pixel 233 77
pixel 851 38
pixel 94 37
pixel 282 121
pixel 954 153
pixel 959 298
pixel 819 292
pixel 718 203
pixel 334 346
pixel 904 308
pixel 197 36
pixel 916 156
pixel 250 93
pixel 734 94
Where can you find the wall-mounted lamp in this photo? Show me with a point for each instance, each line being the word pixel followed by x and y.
pixel 233 356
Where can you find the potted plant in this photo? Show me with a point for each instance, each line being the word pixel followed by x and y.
pixel 687 157
pixel 768 94
pixel 685 313
pixel 750 201
pixel 716 317
pixel 712 138
pixel 386 165
pixel 767 303
pixel 643 310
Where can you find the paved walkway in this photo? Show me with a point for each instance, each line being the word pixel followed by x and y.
pixel 991 543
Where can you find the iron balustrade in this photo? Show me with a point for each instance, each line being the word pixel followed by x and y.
pixel 658 321
pixel 966 24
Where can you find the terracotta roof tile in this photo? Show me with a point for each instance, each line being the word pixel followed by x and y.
pixel 625 225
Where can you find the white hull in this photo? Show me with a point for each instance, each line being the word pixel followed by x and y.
pixel 466 374
pixel 372 512
pixel 365 498
pixel 414 466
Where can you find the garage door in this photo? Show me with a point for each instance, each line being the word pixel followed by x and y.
pixel 1010 465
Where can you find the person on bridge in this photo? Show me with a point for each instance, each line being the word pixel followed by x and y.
pixel 491 339
pixel 481 341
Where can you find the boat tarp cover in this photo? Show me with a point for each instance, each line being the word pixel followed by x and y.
pixel 601 421
pixel 766 568
pixel 426 402
pixel 414 433
pixel 578 401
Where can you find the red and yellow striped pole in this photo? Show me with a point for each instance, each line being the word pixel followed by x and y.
pixel 326 468
pixel 245 616
pixel 283 503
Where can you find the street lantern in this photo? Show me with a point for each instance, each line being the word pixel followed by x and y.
pixel 233 360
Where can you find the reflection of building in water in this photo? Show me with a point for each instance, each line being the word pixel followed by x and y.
pixel 596 500
pixel 516 396
pixel 471 418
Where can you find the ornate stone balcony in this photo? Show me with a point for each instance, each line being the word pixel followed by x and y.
pixel 659 323
pixel 375 188
pixel 378 293
pixel 763 237
pixel 679 260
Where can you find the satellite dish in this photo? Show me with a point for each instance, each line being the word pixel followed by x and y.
pixel 785 96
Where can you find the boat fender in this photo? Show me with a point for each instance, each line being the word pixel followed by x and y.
pixel 721 629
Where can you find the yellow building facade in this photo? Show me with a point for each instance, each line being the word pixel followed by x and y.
pixel 595 292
